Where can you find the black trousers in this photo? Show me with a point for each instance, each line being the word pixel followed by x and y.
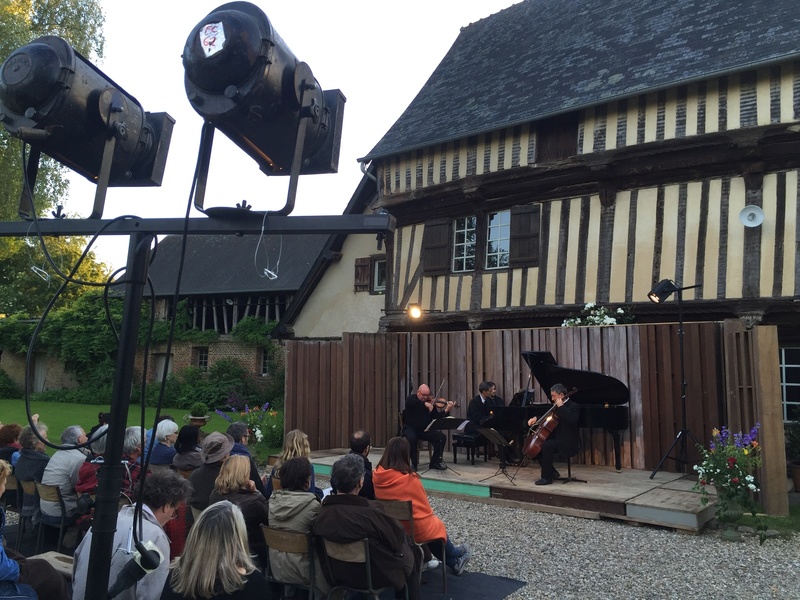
pixel 547 457
pixel 436 438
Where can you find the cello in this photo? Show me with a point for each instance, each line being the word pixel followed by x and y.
pixel 541 430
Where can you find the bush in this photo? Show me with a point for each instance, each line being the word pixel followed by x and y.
pixel 83 395
pixel 198 409
pixel 8 388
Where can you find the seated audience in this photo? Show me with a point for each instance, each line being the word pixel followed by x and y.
pixel 234 485
pixel 216 448
pixel 394 479
pixel 9 440
pixel 163 451
pixel 26 578
pixel 295 507
pixel 241 434
pixel 188 455
pixel 216 564
pixel 163 493
pixel 30 466
pixel 62 471
pixel 347 517
pixel 294 444
pixel 361 444
pixel 131 449
pixel 102 419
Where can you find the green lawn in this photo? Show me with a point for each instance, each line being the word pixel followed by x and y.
pixel 58 417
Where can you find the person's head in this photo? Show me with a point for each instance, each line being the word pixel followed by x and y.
pixel 5 471
pixel 163 492
pixel 73 435
pixel 558 391
pixel 9 434
pixel 166 432
pixel 424 393
pixel 216 549
pixel 216 447
pixel 347 475
pixel 132 444
pixel 28 439
pixel 492 388
pixel 234 475
pixel 239 432
pixel 397 455
pixel 295 474
pixel 98 440
pixel 485 388
pixel 360 442
pixel 102 418
pixel 187 439
pixel 295 444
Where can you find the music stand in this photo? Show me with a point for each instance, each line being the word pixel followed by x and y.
pixel 497 439
pixel 445 424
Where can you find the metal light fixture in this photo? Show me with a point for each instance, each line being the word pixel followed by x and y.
pixel 63 106
pixel 414 311
pixel 243 80
pixel 663 290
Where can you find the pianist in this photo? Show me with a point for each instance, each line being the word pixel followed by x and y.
pixel 564 438
pixel 420 411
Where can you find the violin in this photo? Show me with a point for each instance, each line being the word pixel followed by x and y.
pixel 439 402
pixel 541 430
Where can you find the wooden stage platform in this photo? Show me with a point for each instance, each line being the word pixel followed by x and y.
pixel 667 500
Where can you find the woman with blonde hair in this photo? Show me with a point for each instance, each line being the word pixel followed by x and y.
pixel 216 563
pixel 234 485
pixel 395 479
pixel 294 444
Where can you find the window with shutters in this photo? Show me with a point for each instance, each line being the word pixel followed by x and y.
pixel 362 274
pixel 525 237
pixel 498 239
pixel 370 274
pixel 464 235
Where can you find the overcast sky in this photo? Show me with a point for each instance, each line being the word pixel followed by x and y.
pixel 379 54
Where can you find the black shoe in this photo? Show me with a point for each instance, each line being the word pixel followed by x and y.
pixel 544 481
pixel 556 474
pixel 439 466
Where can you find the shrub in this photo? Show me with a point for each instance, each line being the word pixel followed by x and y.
pixel 8 388
pixel 92 395
pixel 198 409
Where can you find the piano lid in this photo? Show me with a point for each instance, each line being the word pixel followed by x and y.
pixel 593 388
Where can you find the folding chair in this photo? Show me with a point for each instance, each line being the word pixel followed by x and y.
pixel 51 493
pixel 353 552
pixel 13 491
pixel 25 488
pixel 403 511
pixel 293 542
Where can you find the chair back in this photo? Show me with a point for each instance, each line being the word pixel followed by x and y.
pixel 28 487
pixel 11 483
pixel 50 493
pixel 276 483
pixel 12 493
pixel 292 542
pixel 351 552
pixel 402 510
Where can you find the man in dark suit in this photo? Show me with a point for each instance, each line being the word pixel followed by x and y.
pixel 420 410
pixel 564 438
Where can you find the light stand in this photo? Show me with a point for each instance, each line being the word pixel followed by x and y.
pixel 663 290
pixel 413 313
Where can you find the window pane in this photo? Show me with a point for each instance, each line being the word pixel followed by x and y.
pixel 379 281
pixel 464 244
pixel 498 239
pixel 790 382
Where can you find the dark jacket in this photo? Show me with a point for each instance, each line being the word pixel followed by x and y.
pixel 202 481
pixel 477 412
pixel 417 416
pixel 567 431
pixel 346 518
pixel 30 467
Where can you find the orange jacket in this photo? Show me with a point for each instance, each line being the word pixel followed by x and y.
pixel 394 485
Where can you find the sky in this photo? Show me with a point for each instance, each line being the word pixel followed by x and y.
pixel 379 54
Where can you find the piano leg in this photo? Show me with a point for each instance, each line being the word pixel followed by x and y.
pixel 617 447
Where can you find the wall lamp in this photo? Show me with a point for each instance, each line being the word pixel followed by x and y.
pixel 243 80
pixel 414 311
pixel 54 99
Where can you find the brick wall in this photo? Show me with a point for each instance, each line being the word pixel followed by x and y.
pixel 53 375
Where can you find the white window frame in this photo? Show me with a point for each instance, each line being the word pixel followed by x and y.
pixel 786 385
pixel 464 262
pixel 498 233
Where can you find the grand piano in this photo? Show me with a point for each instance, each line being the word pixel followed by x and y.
pixel 603 400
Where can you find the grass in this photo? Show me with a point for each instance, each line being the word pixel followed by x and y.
pixel 58 416
pixel 783 525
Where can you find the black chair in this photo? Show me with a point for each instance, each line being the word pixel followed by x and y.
pixel 14 494
pixel 353 552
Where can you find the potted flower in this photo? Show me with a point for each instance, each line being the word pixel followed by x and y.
pixel 791 431
pixel 198 414
pixel 728 464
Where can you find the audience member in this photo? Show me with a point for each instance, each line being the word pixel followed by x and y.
pixel 148 435
pixel 9 440
pixel 163 451
pixel 295 507
pixel 241 434
pixel 347 517
pixel 361 444
pixel 295 443
pixel 216 448
pixel 188 455
pixel 30 466
pixel 216 564
pixel 62 471
pixel 131 447
pixel 394 479
pixel 163 493
pixel 234 485
pixel 102 419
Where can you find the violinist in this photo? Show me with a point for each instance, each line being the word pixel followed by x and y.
pixel 564 438
pixel 421 409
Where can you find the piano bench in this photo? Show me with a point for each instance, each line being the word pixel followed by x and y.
pixel 472 442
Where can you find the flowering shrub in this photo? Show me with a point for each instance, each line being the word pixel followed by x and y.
pixel 264 423
pixel 728 465
pixel 598 315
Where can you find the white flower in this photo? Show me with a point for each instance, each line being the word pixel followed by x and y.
pixel 589 306
pixel 620 311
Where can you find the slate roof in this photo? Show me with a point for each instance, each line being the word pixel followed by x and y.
pixel 223 264
pixel 544 57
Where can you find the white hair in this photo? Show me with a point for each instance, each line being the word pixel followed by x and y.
pixel 164 429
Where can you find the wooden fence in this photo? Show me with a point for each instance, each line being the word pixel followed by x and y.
pixel 335 387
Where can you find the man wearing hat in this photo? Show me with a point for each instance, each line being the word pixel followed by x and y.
pixel 216 448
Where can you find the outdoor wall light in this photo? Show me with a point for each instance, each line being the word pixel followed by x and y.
pixel 663 290
pixel 414 311
pixel 243 80
pixel 63 106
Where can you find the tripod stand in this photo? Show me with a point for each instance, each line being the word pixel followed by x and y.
pixel 663 290
pixel 499 441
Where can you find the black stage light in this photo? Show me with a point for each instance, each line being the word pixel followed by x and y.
pixel 243 80
pixel 63 106
pixel 663 290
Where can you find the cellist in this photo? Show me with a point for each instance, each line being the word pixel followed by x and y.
pixel 564 438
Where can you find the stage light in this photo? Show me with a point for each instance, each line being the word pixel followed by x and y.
pixel 63 106
pixel 414 311
pixel 663 290
pixel 243 80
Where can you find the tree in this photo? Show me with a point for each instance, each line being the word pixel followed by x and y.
pixel 80 22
